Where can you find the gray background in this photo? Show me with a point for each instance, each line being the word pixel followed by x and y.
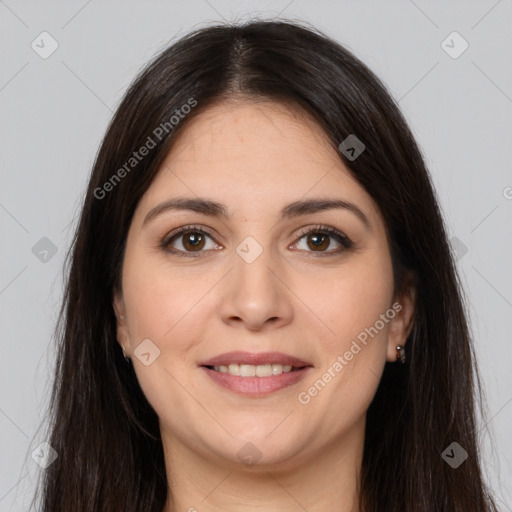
pixel 54 113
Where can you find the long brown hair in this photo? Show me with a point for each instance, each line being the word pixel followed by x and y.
pixel 110 456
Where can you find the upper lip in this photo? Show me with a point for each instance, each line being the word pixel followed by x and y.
pixel 240 357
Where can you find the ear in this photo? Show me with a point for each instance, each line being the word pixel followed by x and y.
pixel 401 324
pixel 122 333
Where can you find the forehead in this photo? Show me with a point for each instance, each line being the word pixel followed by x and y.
pixel 253 156
pixel 263 127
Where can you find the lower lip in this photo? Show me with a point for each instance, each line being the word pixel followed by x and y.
pixel 256 386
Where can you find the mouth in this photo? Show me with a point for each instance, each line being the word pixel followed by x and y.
pixel 255 375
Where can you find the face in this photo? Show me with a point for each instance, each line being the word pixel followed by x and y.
pixel 263 288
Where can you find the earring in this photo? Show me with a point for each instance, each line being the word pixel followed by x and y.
pixel 126 358
pixel 400 353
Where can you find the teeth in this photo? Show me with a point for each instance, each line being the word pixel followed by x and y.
pixel 249 370
pixel 233 369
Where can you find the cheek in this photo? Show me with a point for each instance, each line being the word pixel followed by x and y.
pixel 163 307
pixel 354 350
pixel 160 298
pixel 171 308
pixel 353 299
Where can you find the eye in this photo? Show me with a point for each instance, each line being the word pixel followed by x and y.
pixel 191 239
pixel 319 238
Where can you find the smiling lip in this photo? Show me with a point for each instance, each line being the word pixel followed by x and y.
pixel 256 386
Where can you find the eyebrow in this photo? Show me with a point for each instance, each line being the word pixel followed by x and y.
pixel 291 210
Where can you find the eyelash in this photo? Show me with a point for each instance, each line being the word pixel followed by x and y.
pixel 342 239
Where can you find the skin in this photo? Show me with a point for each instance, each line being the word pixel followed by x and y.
pixel 255 157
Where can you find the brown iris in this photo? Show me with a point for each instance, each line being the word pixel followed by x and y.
pixel 193 241
pixel 319 241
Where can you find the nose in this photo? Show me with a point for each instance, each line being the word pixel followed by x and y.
pixel 255 294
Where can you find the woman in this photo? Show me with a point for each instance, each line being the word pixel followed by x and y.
pixel 262 311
